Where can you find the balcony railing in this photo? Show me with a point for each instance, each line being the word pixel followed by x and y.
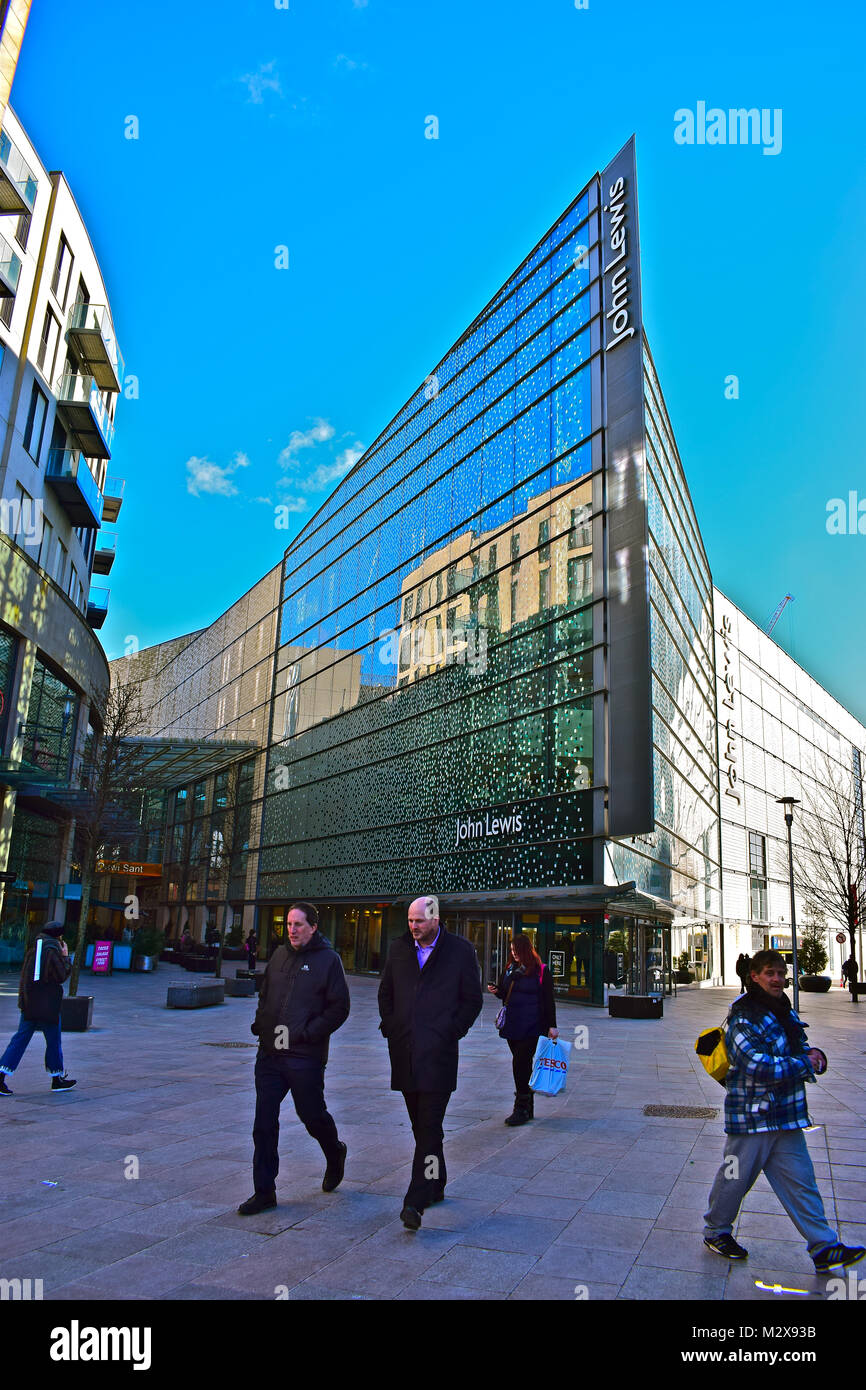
pixel 80 401
pixel 91 332
pixel 76 487
pixel 97 606
pixel 113 498
pixel 105 552
pixel 10 266
pixel 17 180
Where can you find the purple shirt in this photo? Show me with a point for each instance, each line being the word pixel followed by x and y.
pixel 424 952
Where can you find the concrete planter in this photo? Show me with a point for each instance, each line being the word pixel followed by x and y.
pixel 635 1006
pixel 76 1014
pixel 145 962
pixel 815 984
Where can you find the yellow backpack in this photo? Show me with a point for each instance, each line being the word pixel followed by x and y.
pixel 710 1047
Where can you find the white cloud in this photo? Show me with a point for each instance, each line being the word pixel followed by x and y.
pixel 328 473
pixel 292 504
pixel 348 64
pixel 213 478
pixel 267 79
pixel 319 433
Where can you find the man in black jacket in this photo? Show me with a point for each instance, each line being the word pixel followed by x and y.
pixel 429 998
pixel 304 999
pixel 40 995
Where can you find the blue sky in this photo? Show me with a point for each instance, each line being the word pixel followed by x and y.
pixel 304 127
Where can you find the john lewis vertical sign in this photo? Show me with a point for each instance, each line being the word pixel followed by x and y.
pixel 631 809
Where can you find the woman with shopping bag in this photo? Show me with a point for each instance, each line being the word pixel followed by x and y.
pixel 528 1013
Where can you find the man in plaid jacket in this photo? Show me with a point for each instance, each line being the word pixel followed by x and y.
pixel 765 1115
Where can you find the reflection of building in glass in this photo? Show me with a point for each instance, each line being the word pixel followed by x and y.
pixel 490 658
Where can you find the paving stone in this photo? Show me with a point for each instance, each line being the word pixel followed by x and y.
pixel 603 1232
pixel 498 1271
pixel 573 1181
pixel 531 1235
pixel 585 1264
pixel 424 1292
pixel 650 1283
pixel 625 1203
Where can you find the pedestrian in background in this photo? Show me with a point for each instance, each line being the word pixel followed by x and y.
pixel 252 945
pixel 765 1115
pixel 429 998
pixel 526 989
pixel 40 997
pixel 304 999
pixel 850 974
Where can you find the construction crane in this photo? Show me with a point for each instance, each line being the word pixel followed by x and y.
pixel 789 598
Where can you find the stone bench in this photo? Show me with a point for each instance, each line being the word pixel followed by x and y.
pixel 184 996
pixel 240 989
pixel 248 975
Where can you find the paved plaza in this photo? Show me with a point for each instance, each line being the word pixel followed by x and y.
pixel 593 1199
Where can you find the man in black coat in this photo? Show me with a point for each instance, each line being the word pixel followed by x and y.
pixel 429 998
pixel 303 1000
pixel 40 996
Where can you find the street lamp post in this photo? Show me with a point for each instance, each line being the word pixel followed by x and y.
pixel 789 802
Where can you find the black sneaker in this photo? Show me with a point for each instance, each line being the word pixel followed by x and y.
pixel 334 1171
pixel 834 1255
pixel 260 1201
pixel 725 1245
pixel 62 1083
pixel 4 1089
pixel 410 1217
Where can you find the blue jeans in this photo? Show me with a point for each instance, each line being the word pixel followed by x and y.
pixel 18 1046
pixel 784 1158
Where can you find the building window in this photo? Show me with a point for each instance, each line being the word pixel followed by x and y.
pixel 25 519
pixel 60 563
pixel 543 541
pixel 579 579
pixel 47 537
pixel 35 422
pixel 543 589
pixel 581 527
pixel 22 229
pixel 49 338
pixel 62 272
pixel 50 723
pixel 758 876
pixel 7 304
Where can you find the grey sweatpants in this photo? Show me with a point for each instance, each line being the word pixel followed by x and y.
pixel 781 1154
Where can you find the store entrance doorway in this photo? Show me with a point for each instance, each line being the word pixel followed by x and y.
pixel 491 937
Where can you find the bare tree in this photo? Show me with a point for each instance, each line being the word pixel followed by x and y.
pixel 103 810
pixel 829 858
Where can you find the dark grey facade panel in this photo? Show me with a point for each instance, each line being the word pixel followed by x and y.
pixel 630 809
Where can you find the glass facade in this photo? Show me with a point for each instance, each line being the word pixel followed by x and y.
pixel 491 664
pixel 433 713
pixel 680 859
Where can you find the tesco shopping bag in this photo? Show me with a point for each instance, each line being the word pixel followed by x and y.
pixel 549 1066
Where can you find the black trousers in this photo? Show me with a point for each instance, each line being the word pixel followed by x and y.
pixel 275 1077
pixel 429 1176
pixel 522 1053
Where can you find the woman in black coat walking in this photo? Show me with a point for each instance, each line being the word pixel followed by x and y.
pixel 526 989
